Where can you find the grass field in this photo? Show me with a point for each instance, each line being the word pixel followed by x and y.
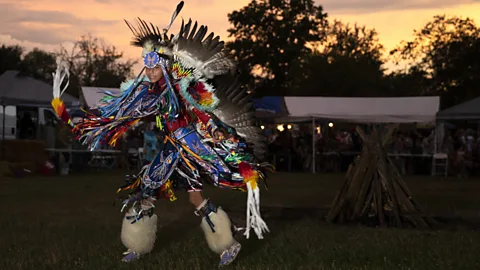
pixel 70 223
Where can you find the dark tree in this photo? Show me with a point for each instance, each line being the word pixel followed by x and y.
pixel 39 64
pixel 412 83
pixel 447 50
pixel 93 63
pixel 355 42
pixel 10 58
pixel 347 63
pixel 271 37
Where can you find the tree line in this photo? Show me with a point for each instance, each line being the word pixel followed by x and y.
pixel 92 63
pixel 293 48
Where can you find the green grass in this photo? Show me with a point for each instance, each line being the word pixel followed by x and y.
pixel 70 223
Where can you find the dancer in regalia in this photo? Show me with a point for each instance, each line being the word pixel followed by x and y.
pixel 191 93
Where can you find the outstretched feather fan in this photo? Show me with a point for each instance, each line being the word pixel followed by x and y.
pixel 208 57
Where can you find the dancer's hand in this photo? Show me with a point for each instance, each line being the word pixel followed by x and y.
pixel 218 136
pixel 232 138
pixel 221 135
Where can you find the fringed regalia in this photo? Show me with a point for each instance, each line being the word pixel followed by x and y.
pixel 198 95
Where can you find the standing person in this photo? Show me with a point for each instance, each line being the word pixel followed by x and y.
pixel 62 144
pixel 27 127
pixel 191 94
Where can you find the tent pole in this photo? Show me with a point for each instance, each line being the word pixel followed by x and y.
pixel 313 144
pixel 3 132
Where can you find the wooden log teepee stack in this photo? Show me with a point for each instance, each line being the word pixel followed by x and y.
pixel 374 191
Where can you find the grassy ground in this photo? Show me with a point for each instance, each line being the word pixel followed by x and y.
pixel 70 223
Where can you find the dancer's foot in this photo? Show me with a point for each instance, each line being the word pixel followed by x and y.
pixel 130 256
pixel 229 255
pixel 236 229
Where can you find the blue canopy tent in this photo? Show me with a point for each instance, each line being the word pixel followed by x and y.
pixel 270 107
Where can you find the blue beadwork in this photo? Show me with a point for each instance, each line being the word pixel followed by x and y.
pixel 151 59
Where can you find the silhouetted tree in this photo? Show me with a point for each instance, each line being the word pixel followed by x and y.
pixel 347 63
pixel 410 83
pixel 271 36
pixel 93 63
pixel 447 50
pixel 10 58
pixel 39 64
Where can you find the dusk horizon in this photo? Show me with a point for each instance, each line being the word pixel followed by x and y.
pixel 50 24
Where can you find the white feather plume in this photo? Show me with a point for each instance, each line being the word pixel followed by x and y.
pixel 59 76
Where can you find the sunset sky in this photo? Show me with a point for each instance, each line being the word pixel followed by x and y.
pixel 48 23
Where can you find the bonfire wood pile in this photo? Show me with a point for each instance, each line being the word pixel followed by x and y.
pixel 374 191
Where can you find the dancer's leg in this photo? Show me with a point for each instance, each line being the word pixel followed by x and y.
pixel 217 228
pixel 139 236
pixel 140 223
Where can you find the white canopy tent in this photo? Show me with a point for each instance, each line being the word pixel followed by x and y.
pixel 362 110
pixel 365 110
pixel 357 110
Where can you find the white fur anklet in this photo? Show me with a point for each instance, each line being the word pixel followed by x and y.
pixel 220 238
pixel 140 236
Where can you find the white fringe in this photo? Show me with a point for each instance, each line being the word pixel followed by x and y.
pixel 59 76
pixel 254 220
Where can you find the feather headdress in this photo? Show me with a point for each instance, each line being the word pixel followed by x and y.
pixel 151 38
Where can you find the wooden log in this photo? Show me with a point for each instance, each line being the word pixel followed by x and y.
pixel 337 206
pixel 391 196
pixel 379 202
pixel 349 190
pixel 388 136
pixel 338 202
pixel 369 197
pixel 388 177
pixel 399 178
pixel 360 170
pixel 366 186
pixel 409 209
pixel 409 194
pixel 359 177
pixel 361 133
